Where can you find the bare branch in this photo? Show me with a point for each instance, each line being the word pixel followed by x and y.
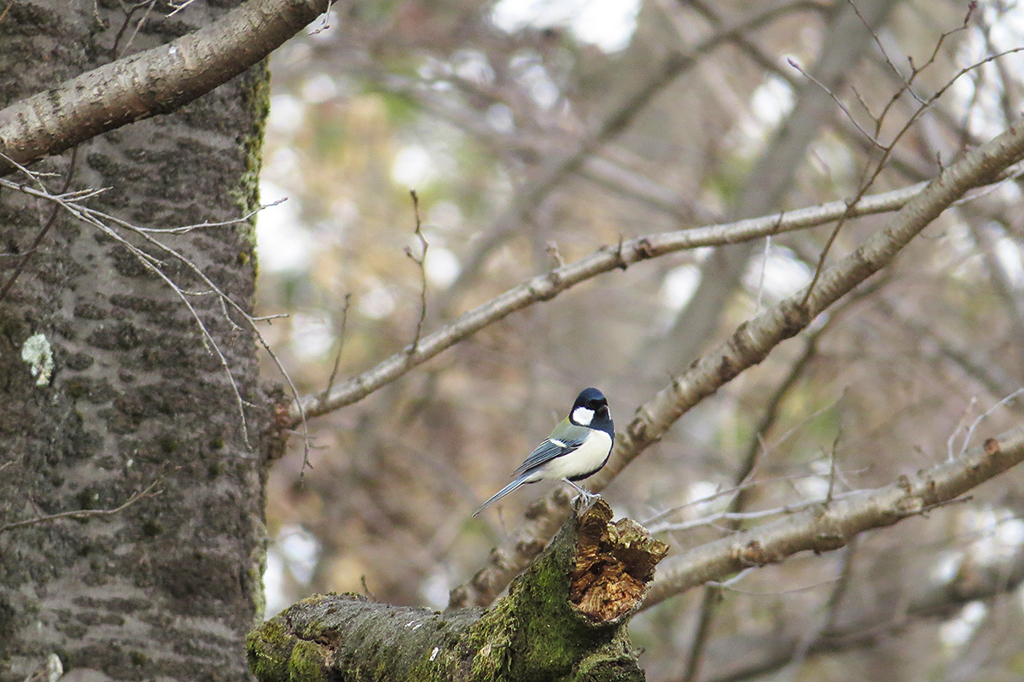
pixel 728 492
pixel 871 174
pixel 830 527
pixel 839 103
pixel 341 344
pixel 419 260
pixel 969 434
pixel 149 83
pixel 968 360
pixel 751 343
pixel 734 512
pixel 548 177
pixel 714 519
pixel 607 259
pixel 179 5
pixel 864 624
pixel 148 5
pixel 753 340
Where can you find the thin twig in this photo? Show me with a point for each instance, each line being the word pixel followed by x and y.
pixel 419 261
pixel 736 506
pixel 982 417
pixel 831 608
pixel 728 492
pixel 839 102
pixel 148 5
pixel 85 513
pixel 728 585
pixel 871 175
pixel 341 344
pixel 199 226
pixel 178 6
pixel 832 464
pixel 959 427
pixel 107 223
pixel 42 233
pixel 733 517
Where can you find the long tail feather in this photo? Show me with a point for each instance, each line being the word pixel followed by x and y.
pixel 501 493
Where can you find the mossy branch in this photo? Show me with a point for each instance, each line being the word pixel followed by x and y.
pixel 564 619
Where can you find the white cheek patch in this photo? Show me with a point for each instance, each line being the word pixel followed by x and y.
pixel 582 416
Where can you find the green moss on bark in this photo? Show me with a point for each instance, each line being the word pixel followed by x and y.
pixel 257 96
pixel 308 662
pixel 535 633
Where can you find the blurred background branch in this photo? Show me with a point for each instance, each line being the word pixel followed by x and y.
pixel 542 136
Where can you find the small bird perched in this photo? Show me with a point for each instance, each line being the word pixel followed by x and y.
pixel 577 449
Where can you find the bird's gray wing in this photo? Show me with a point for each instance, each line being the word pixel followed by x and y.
pixel 568 440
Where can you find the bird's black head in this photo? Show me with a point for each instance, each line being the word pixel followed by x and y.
pixel 591 409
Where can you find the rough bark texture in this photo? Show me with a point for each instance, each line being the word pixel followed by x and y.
pixel 167 587
pixel 563 619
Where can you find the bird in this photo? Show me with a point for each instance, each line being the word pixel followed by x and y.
pixel 577 449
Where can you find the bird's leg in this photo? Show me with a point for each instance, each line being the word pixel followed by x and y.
pixel 585 500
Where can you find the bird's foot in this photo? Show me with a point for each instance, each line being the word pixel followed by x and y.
pixel 584 501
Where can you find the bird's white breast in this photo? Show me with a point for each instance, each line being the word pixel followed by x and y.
pixel 585 459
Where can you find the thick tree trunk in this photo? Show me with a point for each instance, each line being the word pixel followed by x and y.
pixel 168 586
pixel 564 619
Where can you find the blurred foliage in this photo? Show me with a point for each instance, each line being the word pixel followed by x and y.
pixel 435 95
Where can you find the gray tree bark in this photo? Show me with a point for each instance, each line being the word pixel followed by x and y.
pixel 135 400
